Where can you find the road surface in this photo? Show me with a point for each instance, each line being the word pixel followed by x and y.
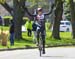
pixel 51 53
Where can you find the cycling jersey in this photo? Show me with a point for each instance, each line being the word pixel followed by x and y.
pixel 41 21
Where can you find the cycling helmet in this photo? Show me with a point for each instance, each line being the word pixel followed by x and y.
pixel 39 9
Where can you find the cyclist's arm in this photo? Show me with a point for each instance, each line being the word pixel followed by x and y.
pixel 50 11
pixel 32 15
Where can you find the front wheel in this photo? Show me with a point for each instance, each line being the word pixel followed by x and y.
pixel 40 46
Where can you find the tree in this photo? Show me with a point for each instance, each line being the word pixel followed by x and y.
pixel 18 15
pixel 58 18
pixel 72 10
pixel 67 10
pixel 17 12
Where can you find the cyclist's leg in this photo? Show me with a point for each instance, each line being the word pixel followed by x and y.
pixel 43 40
pixel 38 36
pixel 34 37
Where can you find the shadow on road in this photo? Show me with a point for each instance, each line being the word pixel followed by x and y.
pixel 53 56
pixel 57 57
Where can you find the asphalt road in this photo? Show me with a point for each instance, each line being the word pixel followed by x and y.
pixel 51 53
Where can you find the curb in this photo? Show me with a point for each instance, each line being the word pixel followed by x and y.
pixel 11 49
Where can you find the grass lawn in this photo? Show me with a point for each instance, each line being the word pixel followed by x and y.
pixel 66 39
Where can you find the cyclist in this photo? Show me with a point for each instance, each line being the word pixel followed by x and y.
pixel 40 18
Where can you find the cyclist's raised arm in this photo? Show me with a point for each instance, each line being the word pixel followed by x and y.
pixel 50 10
pixel 32 15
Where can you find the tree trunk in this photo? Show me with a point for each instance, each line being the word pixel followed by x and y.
pixel 72 10
pixel 58 18
pixel 18 15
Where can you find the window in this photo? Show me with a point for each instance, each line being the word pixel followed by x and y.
pixel 67 23
pixel 62 23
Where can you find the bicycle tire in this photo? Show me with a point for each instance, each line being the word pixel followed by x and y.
pixel 40 46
